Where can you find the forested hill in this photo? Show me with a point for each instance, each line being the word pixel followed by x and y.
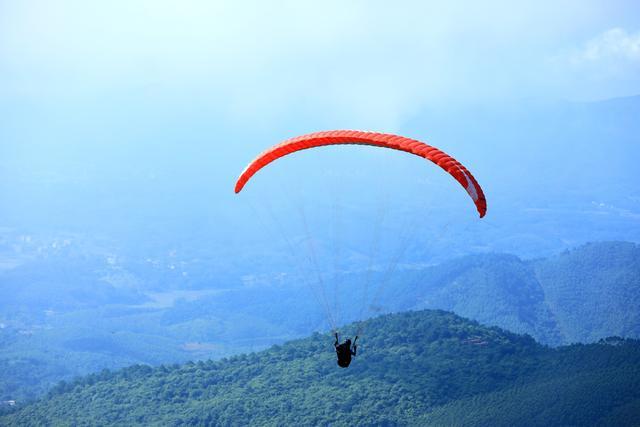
pixel 593 291
pixel 581 295
pixel 414 368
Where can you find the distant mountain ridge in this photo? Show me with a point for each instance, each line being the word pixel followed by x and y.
pixel 593 291
pixel 414 368
pixel 581 295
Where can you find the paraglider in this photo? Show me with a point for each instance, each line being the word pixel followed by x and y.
pixel 345 350
pixel 384 140
pixel 460 173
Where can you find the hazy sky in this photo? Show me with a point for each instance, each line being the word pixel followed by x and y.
pixel 363 63
pixel 122 109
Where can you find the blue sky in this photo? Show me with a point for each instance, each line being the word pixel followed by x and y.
pixel 141 111
pixel 362 64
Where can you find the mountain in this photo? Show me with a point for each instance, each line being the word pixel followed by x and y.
pixel 413 368
pixel 581 295
pixel 495 289
pixel 593 291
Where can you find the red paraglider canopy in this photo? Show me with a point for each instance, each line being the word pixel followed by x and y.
pixel 396 142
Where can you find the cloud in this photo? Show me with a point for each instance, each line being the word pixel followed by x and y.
pixel 604 66
pixel 614 44
pixel 364 64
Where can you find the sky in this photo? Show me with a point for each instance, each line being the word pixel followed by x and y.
pixel 367 64
pixel 132 111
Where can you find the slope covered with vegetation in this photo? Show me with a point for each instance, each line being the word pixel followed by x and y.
pixel 495 289
pixel 593 291
pixel 413 367
pixel 581 295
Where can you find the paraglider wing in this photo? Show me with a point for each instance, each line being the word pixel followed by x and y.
pixel 396 142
